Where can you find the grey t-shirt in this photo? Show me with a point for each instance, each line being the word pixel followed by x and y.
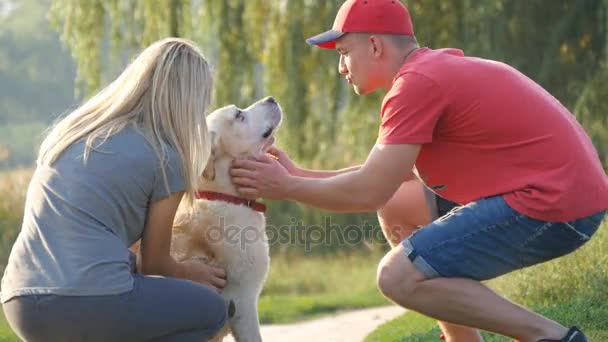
pixel 80 219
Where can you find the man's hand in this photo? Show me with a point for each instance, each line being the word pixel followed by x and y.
pixel 263 177
pixel 283 159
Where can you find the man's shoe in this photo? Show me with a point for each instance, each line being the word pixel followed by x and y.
pixel 573 335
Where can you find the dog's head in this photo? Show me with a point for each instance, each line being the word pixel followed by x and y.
pixel 242 133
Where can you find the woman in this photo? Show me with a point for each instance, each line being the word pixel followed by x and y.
pixel 111 172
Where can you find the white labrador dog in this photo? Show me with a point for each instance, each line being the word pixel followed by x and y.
pixel 224 229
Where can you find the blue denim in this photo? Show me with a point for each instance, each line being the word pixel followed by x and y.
pixel 438 206
pixel 157 309
pixel 444 206
pixel 487 238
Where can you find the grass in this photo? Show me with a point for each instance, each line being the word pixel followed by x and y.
pixel 570 290
pixel 13 186
pixel 6 334
pixel 302 288
pixel 591 315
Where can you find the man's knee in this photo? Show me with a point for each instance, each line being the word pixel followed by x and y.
pixel 397 277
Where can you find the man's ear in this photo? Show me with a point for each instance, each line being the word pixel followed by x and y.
pixel 209 173
pixel 376 45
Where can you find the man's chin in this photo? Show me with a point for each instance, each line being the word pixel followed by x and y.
pixel 361 91
pixel 365 91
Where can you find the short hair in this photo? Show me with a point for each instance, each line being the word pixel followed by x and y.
pixel 401 40
pixel 397 40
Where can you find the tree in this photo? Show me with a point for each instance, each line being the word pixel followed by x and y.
pixel 258 48
pixel 36 79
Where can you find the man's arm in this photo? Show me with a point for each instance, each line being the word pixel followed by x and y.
pixel 295 170
pixel 306 173
pixel 365 189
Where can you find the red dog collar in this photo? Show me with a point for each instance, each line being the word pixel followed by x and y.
pixel 218 196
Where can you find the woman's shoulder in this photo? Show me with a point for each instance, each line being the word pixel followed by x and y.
pixel 160 154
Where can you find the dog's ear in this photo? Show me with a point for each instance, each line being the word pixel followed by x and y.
pixel 209 173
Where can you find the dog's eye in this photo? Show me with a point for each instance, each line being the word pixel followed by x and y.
pixel 267 133
pixel 239 116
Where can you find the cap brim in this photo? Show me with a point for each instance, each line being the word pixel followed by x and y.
pixel 326 40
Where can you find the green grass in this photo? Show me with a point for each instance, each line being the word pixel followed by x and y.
pixel 306 287
pixel 570 290
pixel 587 313
pixel 13 186
pixel 6 334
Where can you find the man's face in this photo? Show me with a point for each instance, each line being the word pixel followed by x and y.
pixel 357 62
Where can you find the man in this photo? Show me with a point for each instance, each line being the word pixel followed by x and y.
pixel 479 133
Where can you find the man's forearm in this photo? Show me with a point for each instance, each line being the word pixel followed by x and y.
pixel 324 173
pixel 340 193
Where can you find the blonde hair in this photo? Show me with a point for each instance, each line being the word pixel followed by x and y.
pixel 164 92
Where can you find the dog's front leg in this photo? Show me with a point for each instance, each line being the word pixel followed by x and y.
pixel 245 324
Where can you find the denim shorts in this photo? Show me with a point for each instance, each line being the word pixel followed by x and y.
pixel 438 206
pixel 487 238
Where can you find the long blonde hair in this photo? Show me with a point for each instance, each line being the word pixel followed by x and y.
pixel 164 92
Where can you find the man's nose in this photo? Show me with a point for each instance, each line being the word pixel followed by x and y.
pixel 342 66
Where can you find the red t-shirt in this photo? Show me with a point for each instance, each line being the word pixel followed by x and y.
pixel 486 129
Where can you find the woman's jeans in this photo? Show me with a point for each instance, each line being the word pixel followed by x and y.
pixel 157 309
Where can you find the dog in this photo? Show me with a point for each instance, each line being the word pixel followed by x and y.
pixel 224 229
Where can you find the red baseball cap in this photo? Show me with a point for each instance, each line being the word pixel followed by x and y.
pixel 368 16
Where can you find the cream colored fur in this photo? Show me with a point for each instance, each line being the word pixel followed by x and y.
pixel 229 235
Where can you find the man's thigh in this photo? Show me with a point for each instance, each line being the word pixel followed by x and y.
pixel 408 205
pixel 486 238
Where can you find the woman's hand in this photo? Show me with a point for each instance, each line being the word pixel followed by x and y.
pixel 204 273
pixel 263 177
pixel 284 160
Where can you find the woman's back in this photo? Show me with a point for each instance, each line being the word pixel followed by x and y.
pixel 81 217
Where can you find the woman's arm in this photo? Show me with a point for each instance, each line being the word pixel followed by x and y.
pixel 156 243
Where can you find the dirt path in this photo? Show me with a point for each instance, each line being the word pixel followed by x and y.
pixel 351 326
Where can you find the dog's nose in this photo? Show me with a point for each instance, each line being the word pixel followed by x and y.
pixel 270 99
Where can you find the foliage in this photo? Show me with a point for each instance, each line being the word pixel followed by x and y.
pixel 257 48
pixel 36 80
pixel 36 76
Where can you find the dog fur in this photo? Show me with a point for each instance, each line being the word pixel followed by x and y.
pixel 228 235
